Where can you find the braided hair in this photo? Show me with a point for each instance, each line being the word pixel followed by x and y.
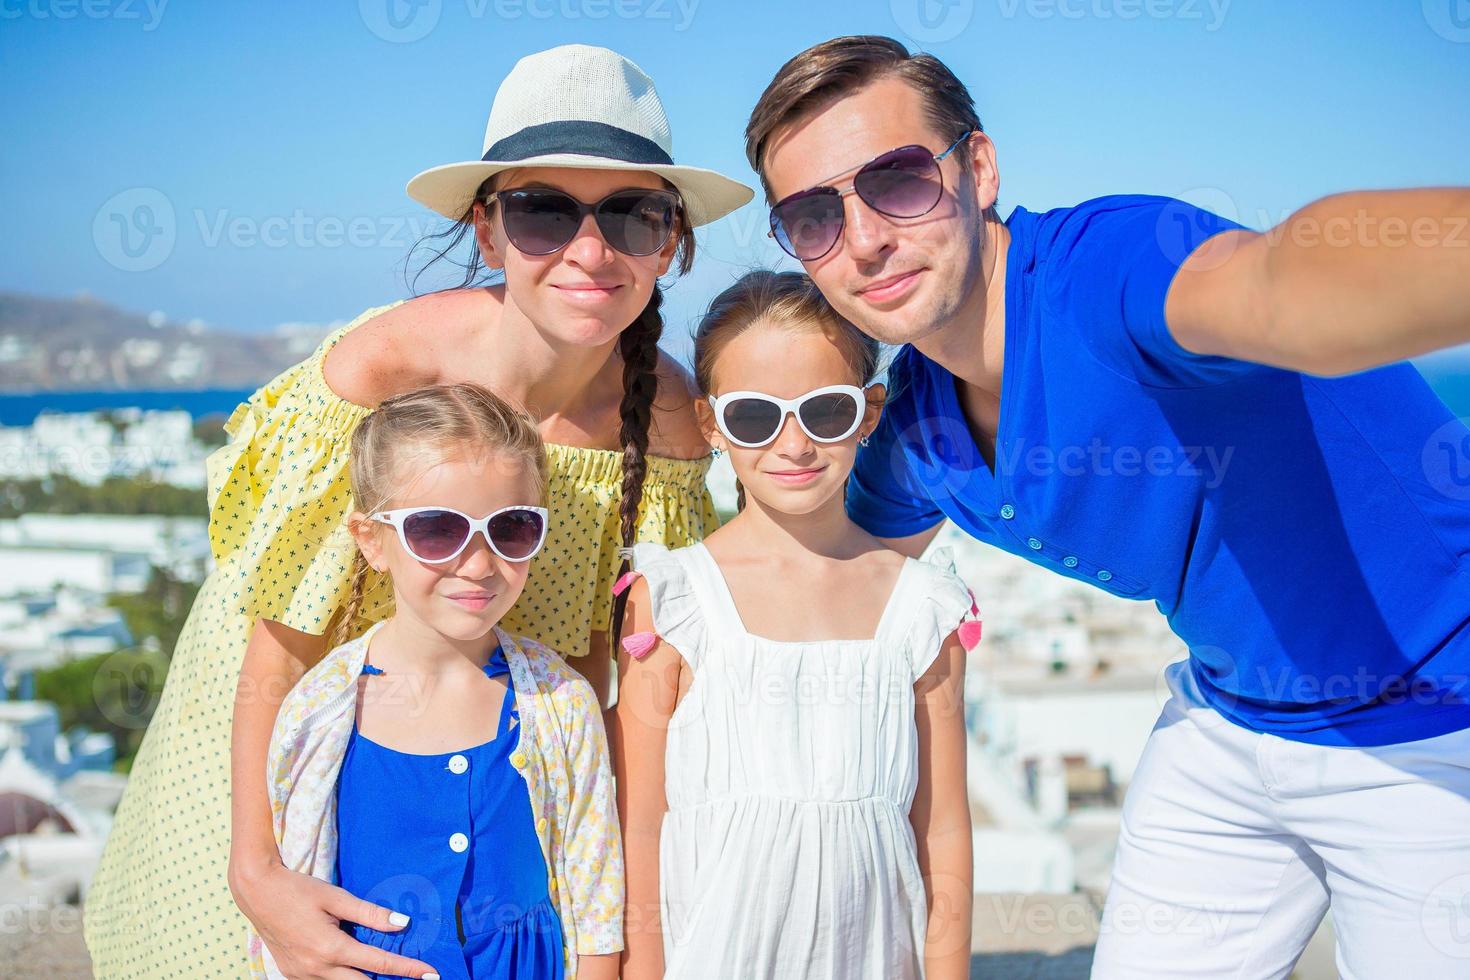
pixel 638 347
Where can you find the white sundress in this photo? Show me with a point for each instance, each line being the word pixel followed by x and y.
pixel 786 852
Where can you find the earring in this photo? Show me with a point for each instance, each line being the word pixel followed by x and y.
pixel 863 441
pixel 716 452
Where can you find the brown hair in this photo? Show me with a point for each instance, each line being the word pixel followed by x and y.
pixel 787 299
pixel 637 346
pixel 419 428
pixel 844 65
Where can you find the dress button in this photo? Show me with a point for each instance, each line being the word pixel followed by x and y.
pixel 458 843
pixel 1033 544
pixel 1007 511
pixel 1070 561
pixel 458 764
pixel 1104 576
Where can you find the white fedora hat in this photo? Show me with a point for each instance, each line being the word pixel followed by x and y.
pixel 585 107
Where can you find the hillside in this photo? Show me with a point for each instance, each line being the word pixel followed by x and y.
pixel 84 344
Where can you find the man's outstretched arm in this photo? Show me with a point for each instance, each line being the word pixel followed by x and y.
pixel 1350 282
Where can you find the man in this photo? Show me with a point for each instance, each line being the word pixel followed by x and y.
pixel 1147 397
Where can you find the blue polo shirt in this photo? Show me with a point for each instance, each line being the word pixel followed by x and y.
pixel 1308 538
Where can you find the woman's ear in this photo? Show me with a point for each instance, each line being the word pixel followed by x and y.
pixel 484 226
pixel 666 254
pixel 365 533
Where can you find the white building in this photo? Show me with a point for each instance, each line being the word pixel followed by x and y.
pixel 89 447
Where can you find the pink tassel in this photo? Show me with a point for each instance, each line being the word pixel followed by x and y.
pixel 970 629
pixel 623 582
pixel 639 645
pixel 970 634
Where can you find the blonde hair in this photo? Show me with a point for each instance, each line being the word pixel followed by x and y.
pixel 786 299
pixel 422 427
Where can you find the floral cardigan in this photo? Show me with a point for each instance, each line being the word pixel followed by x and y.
pixel 562 755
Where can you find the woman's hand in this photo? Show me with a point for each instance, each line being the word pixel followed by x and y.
pixel 297 916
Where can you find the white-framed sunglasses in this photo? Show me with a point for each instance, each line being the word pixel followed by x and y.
pixel 438 534
pixel 753 419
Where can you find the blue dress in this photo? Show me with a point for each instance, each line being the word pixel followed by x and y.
pixel 449 840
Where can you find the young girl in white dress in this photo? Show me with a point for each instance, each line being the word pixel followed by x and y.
pixel 790 742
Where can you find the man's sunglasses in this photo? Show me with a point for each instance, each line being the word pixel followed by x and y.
pixel 438 534
pixel 753 419
pixel 542 220
pixel 902 183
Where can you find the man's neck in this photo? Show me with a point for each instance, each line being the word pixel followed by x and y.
pixel 971 346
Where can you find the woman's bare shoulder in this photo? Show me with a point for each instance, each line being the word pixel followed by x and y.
pixel 402 348
pixel 674 428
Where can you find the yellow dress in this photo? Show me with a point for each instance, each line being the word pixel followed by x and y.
pixel 160 905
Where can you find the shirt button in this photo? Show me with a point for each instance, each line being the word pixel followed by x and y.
pixel 518 759
pixel 1033 544
pixel 458 843
pixel 1007 511
pixel 458 764
pixel 1104 576
pixel 1070 561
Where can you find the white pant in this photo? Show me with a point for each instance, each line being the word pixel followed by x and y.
pixel 1234 843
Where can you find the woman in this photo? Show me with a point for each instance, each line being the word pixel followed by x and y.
pixel 575 133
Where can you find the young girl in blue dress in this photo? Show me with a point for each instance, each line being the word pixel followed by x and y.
pixel 436 764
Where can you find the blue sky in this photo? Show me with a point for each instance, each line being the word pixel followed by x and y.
pixel 266 145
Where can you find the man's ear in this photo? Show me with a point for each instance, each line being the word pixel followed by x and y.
pixel 369 542
pixel 984 173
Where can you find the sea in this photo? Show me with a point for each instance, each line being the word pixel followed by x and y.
pixel 1452 383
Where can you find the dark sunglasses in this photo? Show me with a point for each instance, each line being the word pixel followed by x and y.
pixel 437 534
pixel 542 220
pixel 902 183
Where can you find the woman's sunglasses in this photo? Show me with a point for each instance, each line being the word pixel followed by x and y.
pixel 902 183
pixel 542 220
pixel 437 534
pixel 752 419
